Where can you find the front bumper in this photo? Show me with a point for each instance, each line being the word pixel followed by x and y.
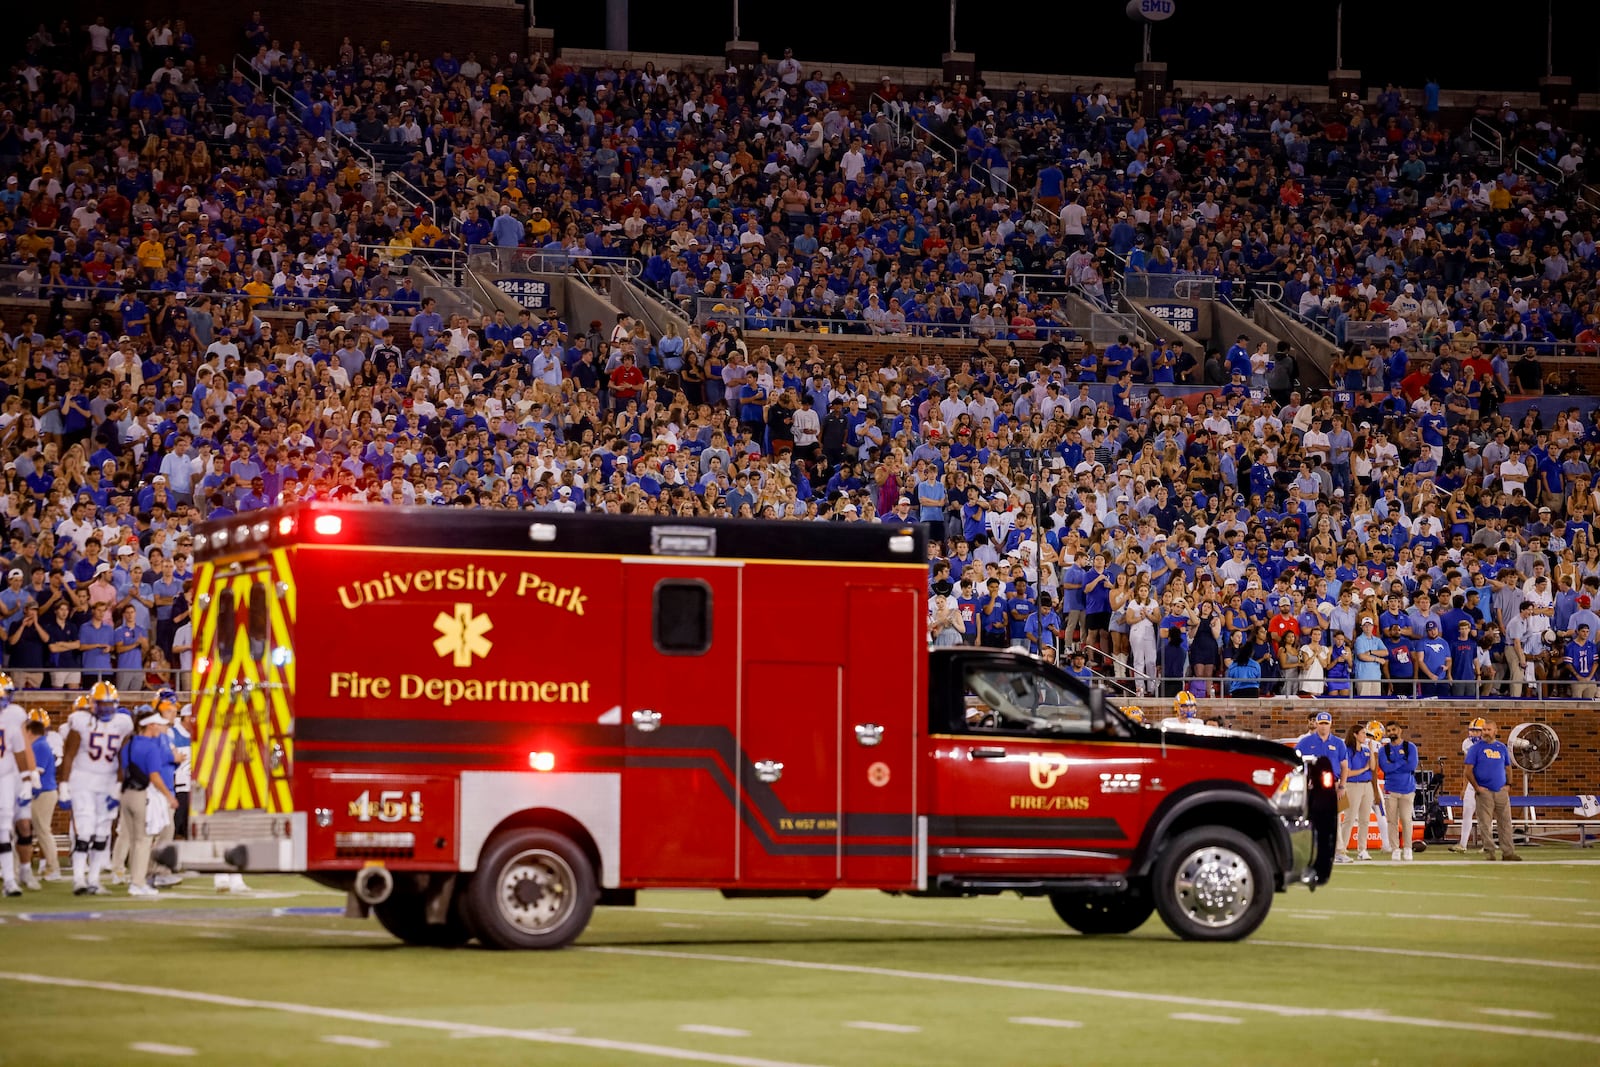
pixel 243 841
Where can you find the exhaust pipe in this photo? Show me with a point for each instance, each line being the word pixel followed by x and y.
pixel 373 885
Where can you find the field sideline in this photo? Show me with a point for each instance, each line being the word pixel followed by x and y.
pixel 854 979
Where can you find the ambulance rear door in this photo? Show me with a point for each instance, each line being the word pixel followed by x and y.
pixel 680 663
pixel 243 685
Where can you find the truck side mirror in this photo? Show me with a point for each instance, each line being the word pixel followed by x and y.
pixel 1097 710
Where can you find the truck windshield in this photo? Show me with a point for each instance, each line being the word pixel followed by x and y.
pixel 1014 698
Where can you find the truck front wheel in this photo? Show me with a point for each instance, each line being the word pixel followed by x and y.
pixel 1212 884
pixel 1111 913
pixel 532 889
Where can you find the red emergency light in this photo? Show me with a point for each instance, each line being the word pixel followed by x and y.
pixel 328 525
pixel 542 761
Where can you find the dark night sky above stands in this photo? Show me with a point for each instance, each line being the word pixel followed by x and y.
pixel 1467 44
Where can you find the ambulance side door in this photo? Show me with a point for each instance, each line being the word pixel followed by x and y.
pixel 680 660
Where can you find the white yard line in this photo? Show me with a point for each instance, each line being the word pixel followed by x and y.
pixel 1506 914
pixel 1515 1013
pixel 1197 1017
pixel 353 1042
pixel 268 928
pixel 1565 965
pixel 86 937
pixel 681 926
pixel 713 1031
pixel 155 1048
pixel 1342 889
pixel 397 1022
pixel 1035 1020
pixel 1282 1010
pixel 884 1028
pixel 1419 917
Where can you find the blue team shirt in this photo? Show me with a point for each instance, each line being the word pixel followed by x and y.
pixel 1489 761
pixel 1311 746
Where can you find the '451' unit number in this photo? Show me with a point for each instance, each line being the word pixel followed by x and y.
pixel 392 805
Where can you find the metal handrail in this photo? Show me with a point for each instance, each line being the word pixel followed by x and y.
pixel 287 101
pixel 1486 134
pixel 1294 315
pixel 914 127
pixel 525 260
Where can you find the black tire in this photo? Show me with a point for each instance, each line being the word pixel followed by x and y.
pixel 532 889
pixel 405 916
pixel 1231 895
pixel 1104 913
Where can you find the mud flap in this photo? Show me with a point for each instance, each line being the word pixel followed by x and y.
pixel 1322 804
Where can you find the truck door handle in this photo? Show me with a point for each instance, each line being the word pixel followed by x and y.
pixel 769 771
pixel 646 720
pixel 868 734
pixel 986 753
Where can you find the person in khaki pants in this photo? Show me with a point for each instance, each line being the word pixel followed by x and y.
pixel 146 759
pixel 43 807
pixel 1399 760
pixel 1488 772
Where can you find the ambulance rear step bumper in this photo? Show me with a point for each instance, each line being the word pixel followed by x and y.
pixel 243 841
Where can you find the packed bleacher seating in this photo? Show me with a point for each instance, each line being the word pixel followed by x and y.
pixel 222 321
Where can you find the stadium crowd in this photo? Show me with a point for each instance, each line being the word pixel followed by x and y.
pixel 251 338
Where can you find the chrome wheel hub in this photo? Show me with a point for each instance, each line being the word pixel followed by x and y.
pixel 536 890
pixel 1214 886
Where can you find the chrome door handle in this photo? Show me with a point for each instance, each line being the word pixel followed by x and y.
pixel 868 734
pixel 646 720
pixel 986 753
pixel 769 771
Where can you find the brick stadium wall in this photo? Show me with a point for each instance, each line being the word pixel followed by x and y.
pixel 320 27
pixel 1438 726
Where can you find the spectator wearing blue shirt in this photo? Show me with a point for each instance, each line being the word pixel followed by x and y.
pixel 97 643
pixel 1579 658
pixel 1463 660
pixel 1488 765
pixel 992 614
pixel 1433 662
pixel 130 641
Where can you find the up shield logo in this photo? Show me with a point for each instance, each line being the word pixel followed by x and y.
pixel 1044 768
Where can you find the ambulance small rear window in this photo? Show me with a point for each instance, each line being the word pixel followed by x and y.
pixel 683 618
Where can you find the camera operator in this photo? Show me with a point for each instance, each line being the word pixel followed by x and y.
pixel 1398 759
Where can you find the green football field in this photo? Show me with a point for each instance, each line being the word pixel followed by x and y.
pixel 1441 961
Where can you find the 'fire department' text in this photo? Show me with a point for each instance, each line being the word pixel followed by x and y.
pixel 351 685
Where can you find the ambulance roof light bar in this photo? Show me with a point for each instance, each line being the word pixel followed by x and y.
pixel 328 525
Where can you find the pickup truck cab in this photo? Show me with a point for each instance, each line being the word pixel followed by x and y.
pixel 1038 787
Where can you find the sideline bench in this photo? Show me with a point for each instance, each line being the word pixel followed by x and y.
pixel 1525 817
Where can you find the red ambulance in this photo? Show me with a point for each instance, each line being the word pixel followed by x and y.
pixel 482 724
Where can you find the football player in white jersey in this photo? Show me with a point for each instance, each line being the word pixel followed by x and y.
pixel 18 780
pixel 88 781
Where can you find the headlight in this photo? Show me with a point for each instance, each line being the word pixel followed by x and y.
pixel 1290 796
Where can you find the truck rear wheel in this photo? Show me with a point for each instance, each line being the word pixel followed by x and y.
pixel 1212 884
pixel 1104 913
pixel 405 916
pixel 532 889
